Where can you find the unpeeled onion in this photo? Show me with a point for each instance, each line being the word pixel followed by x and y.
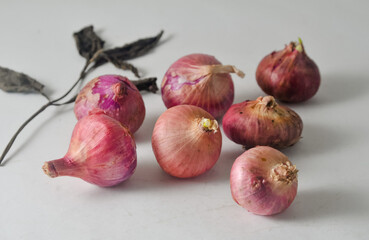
pixel 186 141
pixel 116 96
pixel 289 74
pixel 199 80
pixel 263 181
pixel 262 122
pixel 102 152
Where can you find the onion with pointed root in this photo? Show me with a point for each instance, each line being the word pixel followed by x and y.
pixel 102 152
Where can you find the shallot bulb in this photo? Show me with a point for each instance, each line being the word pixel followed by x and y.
pixel 289 75
pixel 116 96
pixel 200 80
pixel 186 141
pixel 263 181
pixel 262 122
pixel 101 152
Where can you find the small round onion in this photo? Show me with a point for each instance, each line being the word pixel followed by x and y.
pixel 186 141
pixel 116 96
pixel 200 80
pixel 289 75
pixel 263 181
pixel 262 122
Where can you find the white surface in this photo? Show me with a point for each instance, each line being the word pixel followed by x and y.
pixel 333 195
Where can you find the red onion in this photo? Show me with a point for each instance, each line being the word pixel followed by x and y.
pixel 186 141
pixel 289 75
pixel 101 152
pixel 116 96
pixel 263 181
pixel 262 122
pixel 200 80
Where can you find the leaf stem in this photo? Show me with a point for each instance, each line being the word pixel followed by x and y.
pixel 92 55
pixel 50 103
pixel 81 76
pixel 6 150
pixel 45 95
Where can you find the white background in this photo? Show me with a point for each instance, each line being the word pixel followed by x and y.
pixel 333 195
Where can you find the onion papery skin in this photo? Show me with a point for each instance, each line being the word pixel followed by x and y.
pixel 193 80
pixel 262 122
pixel 263 181
pixel 102 152
pixel 289 74
pixel 116 96
pixel 182 147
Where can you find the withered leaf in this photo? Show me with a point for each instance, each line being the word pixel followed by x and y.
pixel 12 81
pixel 121 64
pixel 148 84
pixel 87 41
pixel 125 66
pixel 128 51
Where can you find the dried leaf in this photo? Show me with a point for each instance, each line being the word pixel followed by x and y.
pixel 148 84
pixel 88 43
pixel 125 66
pixel 128 51
pixel 12 81
pixel 121 64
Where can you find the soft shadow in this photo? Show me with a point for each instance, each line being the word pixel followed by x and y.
pixel 337 88
pixel 144 133
pixel 48 91
pixel 222 169
pixel 323 203
pixel 320 139
pixel 149 175
pixel 16 149
pixel 343 87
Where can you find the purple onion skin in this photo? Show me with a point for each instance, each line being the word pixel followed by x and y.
pixel 262 122
pixel 214 93
pixel 289 75
pixel 116 96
